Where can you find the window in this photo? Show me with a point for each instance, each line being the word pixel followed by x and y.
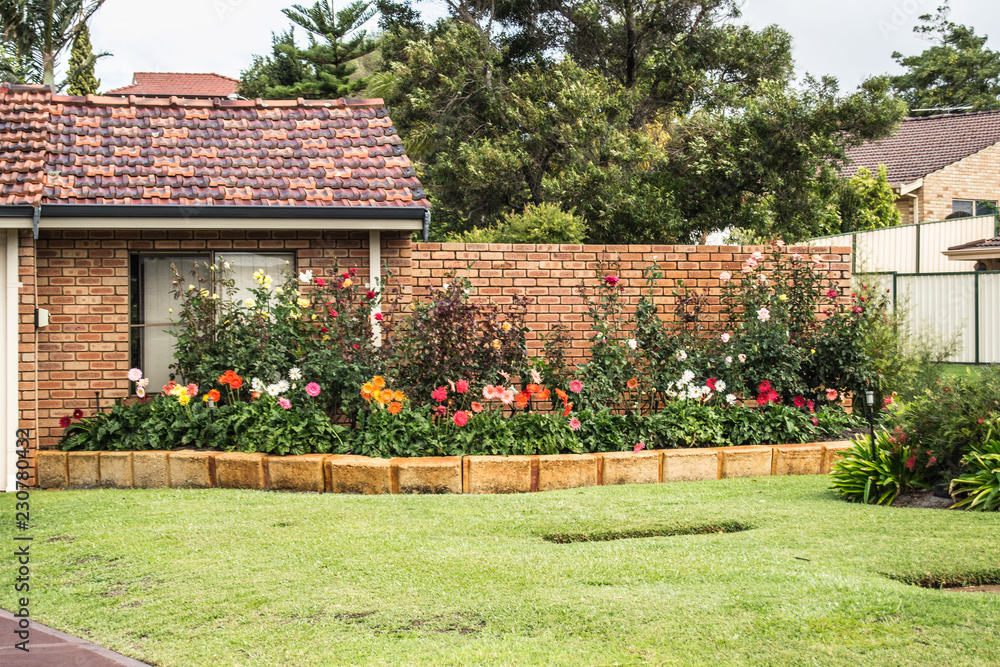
pixel 974 206
pixel 150 276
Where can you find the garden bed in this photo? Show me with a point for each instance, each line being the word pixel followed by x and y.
pixel 335 473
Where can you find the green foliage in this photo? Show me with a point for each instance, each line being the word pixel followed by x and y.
pixel 449 337
pixel 38 32
pixel 868 202
pixel 162 423
pixel 322 327
pixel 859 478
pixel 81 65
pixel 950 419
pixel 325 68
pixel 770 166
pixel 958 70
pixel 981 486
pixel 268 72
pixel 545 223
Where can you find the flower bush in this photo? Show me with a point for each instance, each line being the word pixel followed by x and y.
pixel 294 367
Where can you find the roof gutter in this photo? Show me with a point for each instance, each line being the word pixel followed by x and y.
pixel 215 211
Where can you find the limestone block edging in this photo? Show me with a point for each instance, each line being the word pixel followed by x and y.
pixel 334 473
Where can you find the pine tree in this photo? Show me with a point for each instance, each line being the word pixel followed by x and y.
pixel 335 39
pixel 81 65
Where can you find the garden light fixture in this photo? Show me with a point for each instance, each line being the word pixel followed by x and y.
pixel 870 400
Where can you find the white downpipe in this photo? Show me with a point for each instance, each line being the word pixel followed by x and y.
pixel 375 278
pixel 10 362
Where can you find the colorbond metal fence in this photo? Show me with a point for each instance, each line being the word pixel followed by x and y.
pixel 944 305
pixel 942 298
pixel 913 248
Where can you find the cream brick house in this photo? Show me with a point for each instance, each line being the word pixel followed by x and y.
pixel 938 165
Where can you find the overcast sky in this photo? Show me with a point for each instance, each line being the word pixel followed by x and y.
pixel 850 39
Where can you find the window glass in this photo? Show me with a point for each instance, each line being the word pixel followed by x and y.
pixel 242 266
pixel 986 207
pixel 961 206
pixel 152 346
pixel 151 282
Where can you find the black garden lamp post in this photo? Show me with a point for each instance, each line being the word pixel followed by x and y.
pixel 870 400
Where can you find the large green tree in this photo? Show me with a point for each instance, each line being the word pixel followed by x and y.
pixel 37 32
pixel 692 140
pixel 326 66
pixel 957 71
pixel 82 80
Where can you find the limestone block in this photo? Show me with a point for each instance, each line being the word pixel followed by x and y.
pixel 691 465
pixel 190 469
pixel 297 473
pixel 116 469
pixel 84 469
pixel 631 467
pixel 50 466
pixel 359 474
pixel 567 471
pixel 497 474
pixel 237 470
pixel 150 470
pixel 806 459
pixel 751 461
pixel 430 474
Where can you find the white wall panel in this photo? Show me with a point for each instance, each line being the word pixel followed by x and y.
pixel 989 318
pixel 941 306
pixel 936 237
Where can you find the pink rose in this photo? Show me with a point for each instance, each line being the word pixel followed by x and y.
pixel 285 403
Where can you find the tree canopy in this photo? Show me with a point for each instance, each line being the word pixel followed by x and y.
pixel 957 71
pixel 323 69
pixel 37 32
pixel 655 122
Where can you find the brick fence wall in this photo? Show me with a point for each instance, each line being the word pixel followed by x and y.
pixel 551 276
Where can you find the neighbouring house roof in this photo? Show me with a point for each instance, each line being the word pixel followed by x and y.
pixel 981 249
pixel 921 146
pixel 103 150
pixel 981 243
pixel 179 84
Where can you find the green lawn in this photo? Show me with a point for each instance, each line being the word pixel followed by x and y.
pixel 219 577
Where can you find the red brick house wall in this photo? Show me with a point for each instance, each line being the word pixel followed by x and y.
pixel 83 282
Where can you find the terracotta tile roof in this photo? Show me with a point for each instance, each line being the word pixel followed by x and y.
pixel 103 150
pixel 181 84
pixel 923 145
pixel 976 245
